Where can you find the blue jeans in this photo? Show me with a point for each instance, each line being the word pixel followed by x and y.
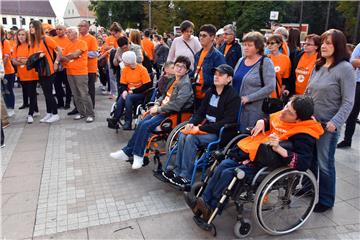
pixel 137 143
pixel 8 90
pixel 221 179
pixel 186 152
pixel 128 103
pixel 326 147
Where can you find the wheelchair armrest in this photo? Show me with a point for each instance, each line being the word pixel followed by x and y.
pixel 231 126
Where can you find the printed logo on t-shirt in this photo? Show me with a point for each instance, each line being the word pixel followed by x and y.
pixel 277 69
pixel 300 78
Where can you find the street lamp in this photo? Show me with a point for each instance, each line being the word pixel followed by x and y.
pixel 149 13
pixel 110 14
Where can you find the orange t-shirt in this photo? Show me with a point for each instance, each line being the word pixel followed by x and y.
pixel 227 48
pixel 12 44
pixel 6 50
pixel 282 67
pixel 200 78
pixel 134 78
pixel 148 47
pixel 41 48
pixel 63 42
pixel 111 41
pixel 303 72
pixel 92 46
pixel 23 51
pixel 77 66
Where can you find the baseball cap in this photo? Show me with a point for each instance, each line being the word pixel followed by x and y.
pixel 224 68
pixel 220 32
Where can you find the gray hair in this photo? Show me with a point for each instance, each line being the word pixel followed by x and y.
pixel 283 32
pixel 75 29
pixel 230 27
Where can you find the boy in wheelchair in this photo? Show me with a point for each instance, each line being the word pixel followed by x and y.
pixel 134 82
pixel 219 107
pixel 288 138
pixel 179 96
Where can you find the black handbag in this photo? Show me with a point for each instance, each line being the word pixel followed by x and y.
pixel 266 157
pixel 270 105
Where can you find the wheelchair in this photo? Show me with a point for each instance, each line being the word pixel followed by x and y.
pixel 138 109
pixel 283 199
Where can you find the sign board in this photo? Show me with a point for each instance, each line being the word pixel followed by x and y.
pixel 177 31
pixel 274 15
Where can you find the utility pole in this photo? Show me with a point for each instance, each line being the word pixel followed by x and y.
pixel 327 16
pixel 357 25
pixel 149 13
pixel 301 14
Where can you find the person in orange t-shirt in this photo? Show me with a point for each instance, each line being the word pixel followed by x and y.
pixel 60 74
pixel 282 64
pixel 7 84
pixel 103 64
pixel 46 46
pixel 28 78
pixel 148 45
pixel 134 83
pixel 76 56
pixel 92 56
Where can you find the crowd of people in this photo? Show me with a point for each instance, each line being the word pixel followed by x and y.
pixel 213 74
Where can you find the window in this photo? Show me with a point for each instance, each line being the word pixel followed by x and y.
pixel 4 20
pixel 72 11
pixel 14 21
pixel 23 22
pixel 40 20
pixel 49 21
pixel 69 11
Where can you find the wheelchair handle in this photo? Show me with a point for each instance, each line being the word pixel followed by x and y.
pixel 240 174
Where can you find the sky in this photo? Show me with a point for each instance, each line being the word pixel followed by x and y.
pixel 59 7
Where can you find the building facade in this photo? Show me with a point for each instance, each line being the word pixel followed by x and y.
pixel 77 10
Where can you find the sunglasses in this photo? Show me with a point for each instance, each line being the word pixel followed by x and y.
pixel 271 43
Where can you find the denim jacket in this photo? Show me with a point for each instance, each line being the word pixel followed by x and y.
pixel 213 59
pixel 234 53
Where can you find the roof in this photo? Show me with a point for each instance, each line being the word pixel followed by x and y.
pixel 40 8
pixel 82 7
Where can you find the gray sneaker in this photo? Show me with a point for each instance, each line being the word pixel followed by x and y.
pixel 89 119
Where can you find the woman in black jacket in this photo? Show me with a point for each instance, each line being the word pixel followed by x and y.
pixel 219 107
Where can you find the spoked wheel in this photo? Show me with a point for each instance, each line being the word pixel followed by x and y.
pixel 285 200
pixel 173 138
pixel 232 143
pixel 242 228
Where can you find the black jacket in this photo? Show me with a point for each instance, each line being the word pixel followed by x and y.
pixel 41 65
pixel 234 53
pixel 226 111
pixel 290 84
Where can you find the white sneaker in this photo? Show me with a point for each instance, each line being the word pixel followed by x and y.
pixel 36 114
pixel 78 117
pixel 11 112
pixel 30 119
pixel 47 116
pixel 120 155
pixel 54 118
pixel 89 119
pixel 138 162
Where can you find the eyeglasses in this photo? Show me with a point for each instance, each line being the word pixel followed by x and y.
pixel 228 33
pixel 180 66
pixel 203 35
pixel 271 43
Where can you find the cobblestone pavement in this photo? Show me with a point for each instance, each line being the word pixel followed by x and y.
pixel 58 181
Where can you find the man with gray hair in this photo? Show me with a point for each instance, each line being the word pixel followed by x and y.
pixel 231 49
pixel 76 57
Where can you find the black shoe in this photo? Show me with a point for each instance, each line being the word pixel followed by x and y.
pixel 180 181
pixel 319 208
pixel 73 112
pixel 67 106
pixel 169 174
pixel 190 200
pixel 24 106
pixel 127 126
pixel 344 144
pixel 60 106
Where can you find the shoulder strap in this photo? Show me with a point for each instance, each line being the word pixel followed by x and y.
pixel 261 71
pixel 51 56
pixel 198 72
pixel 192 51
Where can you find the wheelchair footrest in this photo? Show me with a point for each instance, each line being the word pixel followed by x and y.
pixel 158 175
pixel 204 225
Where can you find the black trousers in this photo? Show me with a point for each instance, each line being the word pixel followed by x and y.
pixel 351 121
pixel 60 79
pixel 91 83
pixel 30 90
pixel 46 85
pixel 25 96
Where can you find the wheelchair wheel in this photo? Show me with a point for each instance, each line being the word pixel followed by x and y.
pixel 196 189
pixel 242 228
pixel 173 137
pixel 284 200
pixel 232 143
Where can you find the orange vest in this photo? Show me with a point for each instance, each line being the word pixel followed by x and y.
pixel 283 130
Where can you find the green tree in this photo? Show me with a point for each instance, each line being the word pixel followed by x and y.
pixel 349 11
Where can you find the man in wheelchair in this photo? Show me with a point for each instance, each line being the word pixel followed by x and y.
pixel 179 96
pixel 134 82
pixel 287 138
pixel 219 107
